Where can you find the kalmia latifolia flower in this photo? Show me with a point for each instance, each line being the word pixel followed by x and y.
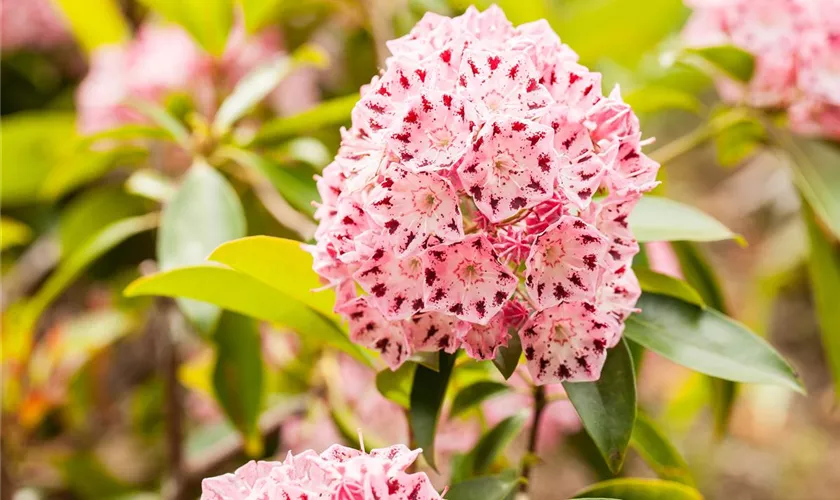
pixel 484 189
pixel 339 473
pixel 796 44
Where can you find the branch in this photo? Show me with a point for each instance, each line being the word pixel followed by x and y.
pixel 540 403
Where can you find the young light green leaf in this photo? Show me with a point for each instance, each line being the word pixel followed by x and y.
pixel 204 213
pixel 607 407
pixel 427 393
pixel 738 140
pixel 498 487
pixel 13 233
pixel 660 219
pixel 246 295
pixel 238 375
pixel 654 98
pixel 824 272
pixel 260 13
pixel 327 113
pixel 171 125
pixel 733 61
pixel 150 184
pixel 82 167
pixel 640 489
pixel 658 452
pixel 475 394
pixel 663 284
pixel 209 23
pixel 95 22
pixel 93 209
pixel 508 356
pixel 282 264
pixel 127 132
pixel 708 342
pixel 396 385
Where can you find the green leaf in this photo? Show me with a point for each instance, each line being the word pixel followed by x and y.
pixel 241 293
pixel 13 233
pixel 661 219
pixel 475 394
pixel 733 61
pixel 282 264
pixel 85 166
pixel 658 452
pixel 127 132
pixel 396 385
pixel 77 261
pixel 95 22
pixel 607 407
pixel 640 489
pixel 427 393
pixel 333 112
pixel 663 284
pixel 209 23
pixel 824 272
pixel 151 184
pixel 654 98
pixel 238 375
pixel 508 356
pixel 499 487
pixel 497 439
pixel 259 14
pixel 92 210
pixel 816 167
pixel 708 342
pixel 168 123
pixel 738 140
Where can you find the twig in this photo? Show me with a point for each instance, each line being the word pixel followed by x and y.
pixel 7 487
pixel 533 435
pixel 163 319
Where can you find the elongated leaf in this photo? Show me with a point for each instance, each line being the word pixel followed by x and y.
pixel 427 393
pixel 75 263
pixel 607 407
pixel 209 23
pixel 654 98
pixel 708 342
pixel 327 113
pixel 83 167
pixel 663 284
pixel 660 219
pixel 168 123
pixel 260 13
pixel 151 184
pixel 475 394
pixel 281 264
pixel 499 487
pixel 238 375
pixel 824 272
pixel 95 22
pixel 495 442
pixel 92 210
pixel 396 385
pixel 204 213
pixel 508 356
pixel 13 233
pixel 658 452
pixel 129 131
pixel 733 61
pixel 640 489
pixel 250 90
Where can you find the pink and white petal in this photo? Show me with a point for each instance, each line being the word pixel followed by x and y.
pixel 632 170
pixel 431 332
pixel 581 169
pixel 566 263
pixel 573 85
pixel 616 301
pixel 483 341
pixel 392 284
pixel 611 217
pixel 402 486
pixel 466 280
pixel 399 456
pixel 369 328
pixel 340 454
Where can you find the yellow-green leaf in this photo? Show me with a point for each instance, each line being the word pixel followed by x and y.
pixel 658 452
pixel 640 489
pixel 209 22
pixel 13 233
pixel 661 219
pixel 95 22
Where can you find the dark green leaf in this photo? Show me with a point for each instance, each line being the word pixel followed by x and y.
pixel 493 443
pixel 327 113
pixel 660 219
pixel 238 375
pixel 427 393
pixel 498 487
pixel 640 489
pixel 474 395
pixel 733 61
pixel 708 342
pixel 607 407
pixel 658 452
pixel 204 213
pixel 396 385
pixel 508 356
pixel 663 284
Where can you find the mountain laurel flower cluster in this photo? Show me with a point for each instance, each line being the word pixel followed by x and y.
pixel 483 190
pixel 337 473
pixel 796 45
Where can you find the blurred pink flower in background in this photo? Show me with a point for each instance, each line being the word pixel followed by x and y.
pixel 796 44
pixel 31 24
pixel 662 259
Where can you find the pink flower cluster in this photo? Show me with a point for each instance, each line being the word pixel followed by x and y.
pixel 796 44
pixel 484 188
pixel 31 24
pixel 339 473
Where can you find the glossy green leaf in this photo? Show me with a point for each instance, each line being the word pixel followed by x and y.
pixel 151 184
pixel 733 61
pixel 328 113
pixel 498 487
pixel 204 213
pixel 246 295
pixel 95 22
pixel 13 233
pixel 282 264
pixel 475 394
pixel 209 23
pixel 640 489
pixel 607 407
pixel 427 393
pixel 494 442
pixel 824 272
pixel 260 13
pixel 663 284
pixel 661 219
pixel 707 341
pixel 238 374
pixel 658 452
pixel 396 385
pixel 507 358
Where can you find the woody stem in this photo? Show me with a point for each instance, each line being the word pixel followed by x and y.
pixel 540 402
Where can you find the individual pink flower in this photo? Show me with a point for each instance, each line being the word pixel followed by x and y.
pixel 339 473
pixel 485 180
pixel 31 24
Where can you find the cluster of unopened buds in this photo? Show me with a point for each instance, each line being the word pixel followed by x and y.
pixel 796 44
pixel 484 189
pixel 338 473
